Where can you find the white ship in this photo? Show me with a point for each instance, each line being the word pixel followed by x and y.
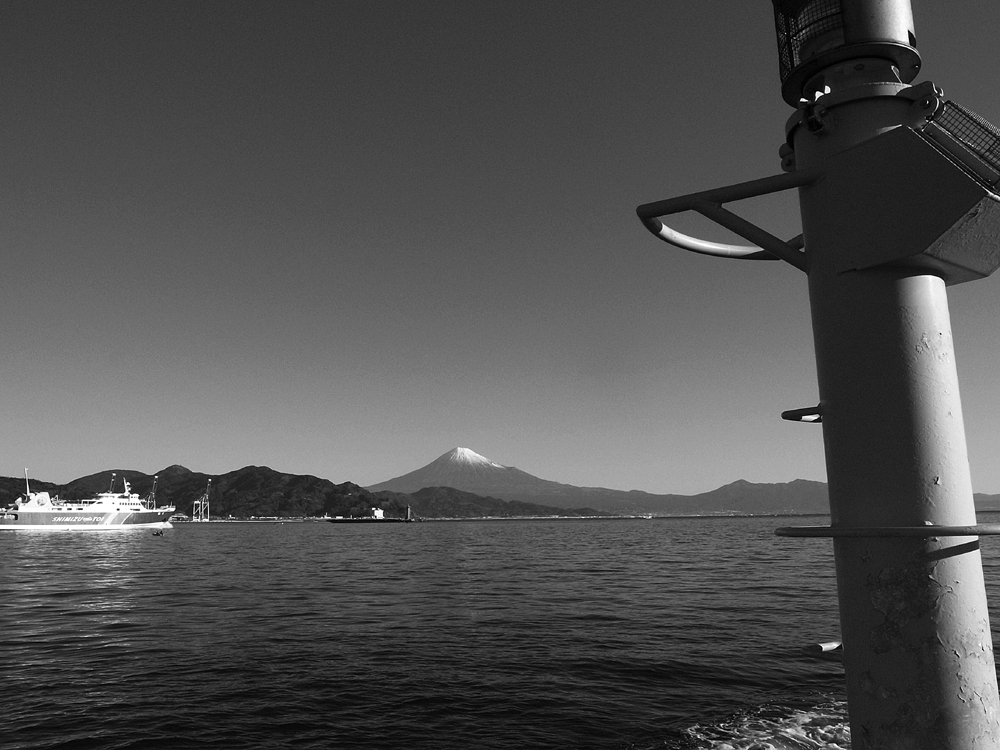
pixel 108 510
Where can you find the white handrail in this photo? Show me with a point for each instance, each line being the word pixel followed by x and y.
pixel 706 247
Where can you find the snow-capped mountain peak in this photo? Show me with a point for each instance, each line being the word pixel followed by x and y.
pixel 464 469
pixel 468 456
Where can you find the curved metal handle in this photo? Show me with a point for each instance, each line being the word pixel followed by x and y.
pixel 709 204
pixel 705 247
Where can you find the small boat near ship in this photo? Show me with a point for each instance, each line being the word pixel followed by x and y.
pixel 106 511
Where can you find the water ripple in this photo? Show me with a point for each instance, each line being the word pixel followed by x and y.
pixel 530 634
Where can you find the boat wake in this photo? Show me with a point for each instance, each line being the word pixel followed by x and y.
pixel 773 727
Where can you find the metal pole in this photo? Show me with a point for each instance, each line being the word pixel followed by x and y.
pixel 917 644
pixel 915 627
pixel 899 196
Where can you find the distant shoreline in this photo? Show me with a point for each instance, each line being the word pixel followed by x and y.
pixel 641 517
pixel 710 516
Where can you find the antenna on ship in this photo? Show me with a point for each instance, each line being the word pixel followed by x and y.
pixel 112 488
pixel 151 498
pixel 27 489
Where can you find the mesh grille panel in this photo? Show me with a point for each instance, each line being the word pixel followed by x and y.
pixel 794 29
pixel 975 133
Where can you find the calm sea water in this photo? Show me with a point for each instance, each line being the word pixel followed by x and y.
pixel 619 634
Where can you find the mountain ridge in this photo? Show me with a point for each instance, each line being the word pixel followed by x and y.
pixel 479 475
pixel 740 496
pixel 484 476
pixel 259 491
pixel 262 492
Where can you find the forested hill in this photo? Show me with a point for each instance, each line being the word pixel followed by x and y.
pixel 257 491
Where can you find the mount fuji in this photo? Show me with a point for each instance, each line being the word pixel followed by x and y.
pixel 465 470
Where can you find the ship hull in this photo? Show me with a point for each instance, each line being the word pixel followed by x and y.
pixel 87 520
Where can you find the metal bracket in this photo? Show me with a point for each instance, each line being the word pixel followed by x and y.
pixel 811 414
pixel 709 204
pixel 926 99
pixel 830 651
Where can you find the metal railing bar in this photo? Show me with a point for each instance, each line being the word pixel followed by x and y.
pixel 982 529
pixel 729 193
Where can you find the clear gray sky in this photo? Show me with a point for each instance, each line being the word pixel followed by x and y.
pixel 341 238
